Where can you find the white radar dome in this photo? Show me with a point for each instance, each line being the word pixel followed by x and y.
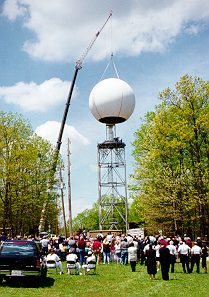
pixel 112 101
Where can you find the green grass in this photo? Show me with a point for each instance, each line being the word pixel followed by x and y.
pixel 114 280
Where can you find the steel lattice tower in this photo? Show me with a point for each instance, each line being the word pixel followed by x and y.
pixel 112 183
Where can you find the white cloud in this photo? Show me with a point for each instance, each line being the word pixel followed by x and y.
pixel 36 97
pixel 193 29
pixel 13 9
pixel 50 131
pixel 64 28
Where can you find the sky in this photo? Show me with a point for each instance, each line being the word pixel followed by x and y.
pixel 154 43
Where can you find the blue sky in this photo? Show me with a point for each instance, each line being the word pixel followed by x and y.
pixel 154 43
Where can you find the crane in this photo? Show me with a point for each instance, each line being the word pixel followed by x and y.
pixel 78 66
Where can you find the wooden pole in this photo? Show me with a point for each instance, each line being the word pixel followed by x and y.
pixel 69 190
pixel 63 205
pixel 57 215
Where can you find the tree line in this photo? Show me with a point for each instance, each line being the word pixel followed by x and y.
pixel 25 162
pixel 171 152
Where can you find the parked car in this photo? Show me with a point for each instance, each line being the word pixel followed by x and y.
pixel 22 258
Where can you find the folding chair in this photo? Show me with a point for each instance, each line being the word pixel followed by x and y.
pixel 71 267
pixel 51 264
pixel 91 266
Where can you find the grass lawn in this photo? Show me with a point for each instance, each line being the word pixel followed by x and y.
pixel 113 280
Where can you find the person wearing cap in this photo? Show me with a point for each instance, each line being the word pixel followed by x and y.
pixel 44 244
pixel 196 252
pixel 52 256
pixel 184 251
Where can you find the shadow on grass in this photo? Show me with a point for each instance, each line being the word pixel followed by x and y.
pixel 28 283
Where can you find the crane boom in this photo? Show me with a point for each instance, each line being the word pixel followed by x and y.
pixel 78 66
pixel 82 58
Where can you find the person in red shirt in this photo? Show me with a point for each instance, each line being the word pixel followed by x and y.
pixel 96 248
pixel 81 245
pixel 188 242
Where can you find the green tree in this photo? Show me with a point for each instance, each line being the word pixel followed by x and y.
pixel 25 160
pixel 171 153
pixel 88 219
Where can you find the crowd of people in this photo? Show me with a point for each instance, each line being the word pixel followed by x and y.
pixel 158 253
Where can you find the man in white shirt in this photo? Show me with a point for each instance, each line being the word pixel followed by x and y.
pixel 195 256
pixel 109 236
pixel 183 251
pixel 91 259
pixel 54 257
pixel 72 257
pixel 44 243
pixel 173 253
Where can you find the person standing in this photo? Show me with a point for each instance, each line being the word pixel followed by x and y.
pixel 132 256
pixel 81 246
pixel 196 252
pixel 44 244
pixel 117 251
pixel 164 261
pixel 204 257
pixel 142 245
pixel 157 248
pixel 172 250
pixel 199 241
pixel 106 251
pixel 124 252
pixel 72 244
pixel 183 251
pixel 150 255
pixel 3 237
pixel 96 248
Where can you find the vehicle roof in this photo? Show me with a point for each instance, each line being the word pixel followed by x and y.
pixel 19 241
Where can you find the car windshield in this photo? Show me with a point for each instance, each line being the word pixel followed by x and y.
pixel 17 249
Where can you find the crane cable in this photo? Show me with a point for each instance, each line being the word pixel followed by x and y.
pixel 113 65
pixel 111 61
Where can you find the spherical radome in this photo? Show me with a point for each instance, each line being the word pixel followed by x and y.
pixel 112 101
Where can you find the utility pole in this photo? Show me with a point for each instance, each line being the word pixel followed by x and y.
pixel 57 214
pixel 63 205
pixel 69 189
